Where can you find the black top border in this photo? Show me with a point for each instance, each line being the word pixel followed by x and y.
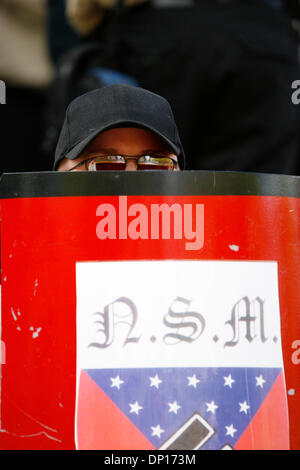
pixel 183 183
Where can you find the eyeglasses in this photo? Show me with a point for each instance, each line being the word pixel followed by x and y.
pixel 118 163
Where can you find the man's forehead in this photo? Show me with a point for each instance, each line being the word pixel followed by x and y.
pixel 111 140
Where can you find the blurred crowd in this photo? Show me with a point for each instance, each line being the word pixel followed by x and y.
pixel 225 66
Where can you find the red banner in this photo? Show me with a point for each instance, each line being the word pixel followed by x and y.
pixel 42 239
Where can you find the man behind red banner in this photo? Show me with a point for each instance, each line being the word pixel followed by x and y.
pixel 119 127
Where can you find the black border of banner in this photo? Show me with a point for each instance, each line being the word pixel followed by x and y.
pixel 183 183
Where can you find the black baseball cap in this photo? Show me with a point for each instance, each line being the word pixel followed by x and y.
pixel 116 106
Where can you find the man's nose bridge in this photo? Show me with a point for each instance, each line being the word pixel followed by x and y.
pixel 131 164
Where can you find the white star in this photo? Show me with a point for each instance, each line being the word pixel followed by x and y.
pixel 228 381
pixel 230 430
pixel 244 407
pixel 193 381
pixel 155 381
pixel 211 407
pixel 260 381
pixel 174 407
pixel 116 382
pixel 156 430
pixel 135 408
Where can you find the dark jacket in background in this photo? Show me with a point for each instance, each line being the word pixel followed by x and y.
pixel 226 67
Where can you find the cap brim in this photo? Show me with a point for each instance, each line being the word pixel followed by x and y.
pixel 77 150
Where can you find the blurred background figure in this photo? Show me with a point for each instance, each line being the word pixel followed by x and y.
pixel 61 36
pixel 26 68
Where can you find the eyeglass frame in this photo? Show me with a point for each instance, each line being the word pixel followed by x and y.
pixel 126 158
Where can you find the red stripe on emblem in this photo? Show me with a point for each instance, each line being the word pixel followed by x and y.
pixel 101 425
